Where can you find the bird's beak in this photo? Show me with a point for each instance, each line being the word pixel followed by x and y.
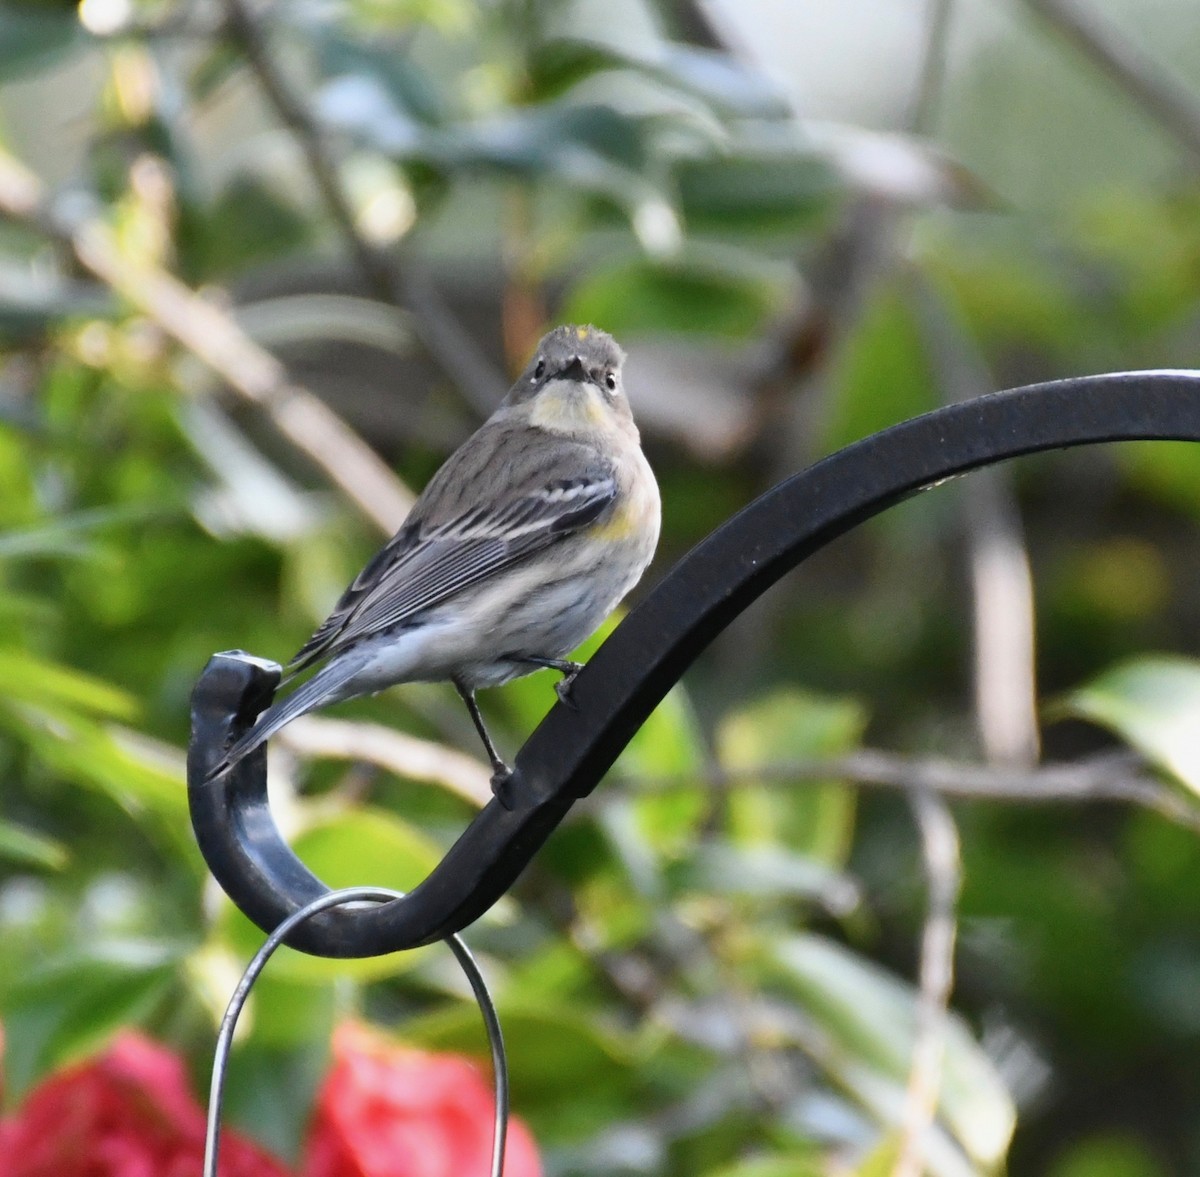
pixel 574 371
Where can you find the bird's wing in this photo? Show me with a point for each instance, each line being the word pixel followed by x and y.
pixel 425 564
pixel 386 561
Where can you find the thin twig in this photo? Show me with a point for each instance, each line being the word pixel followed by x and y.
pixel 931 80
pixel 943 880
pixel 451 345
pixel 1002 621
pixel 793 394
pixel 1156 88
pixel 444 338
pixel 1002 597
pixel 1113 778
pixel 294 115
pixel 216 340
pixel 404 755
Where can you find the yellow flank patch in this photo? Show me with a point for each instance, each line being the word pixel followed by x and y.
pixel 619 525
pixel 581 332
pixel 565 411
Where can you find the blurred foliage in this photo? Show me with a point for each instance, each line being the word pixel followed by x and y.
pixel 692 979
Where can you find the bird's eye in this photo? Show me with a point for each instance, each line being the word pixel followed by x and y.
pixel 540 370
pixel 611 381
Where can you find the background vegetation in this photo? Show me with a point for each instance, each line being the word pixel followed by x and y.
pixel 254 259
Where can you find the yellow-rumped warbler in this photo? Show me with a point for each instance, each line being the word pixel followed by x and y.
pixel 521 544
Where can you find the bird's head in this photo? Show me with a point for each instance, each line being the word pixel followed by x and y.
pixel 573 384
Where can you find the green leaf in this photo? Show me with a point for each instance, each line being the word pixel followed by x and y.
pixel 32 37
pixel 1145 242
pixel 61 715
pixel 250 223
pixel 555 973
pixel 881 374
pixel 450 17
pixel 528 140
pixel 1010 292
pixel 807 1164
pixel 1167 472
pixel 26 847
pixel 405 83
pixel 668 744
pixel 285 1013
pixel 593 149
pixel 815 818
pixel 270 1091
pixel 69 535
pixel 26 678
pixel 136 774
pixel 368 847
pixel 1107 1154
pixel 883 1158
pixel 553 1053
pixel 560 63
pixel 768 872
pixel 565 139
pixel 69 1008
pixel 781 191
pixel 686 294
pixel 358 847
pixel 865 1018
pixel 720 79
pixel 1152 703
pixel 213 67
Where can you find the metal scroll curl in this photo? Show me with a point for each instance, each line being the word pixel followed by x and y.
pixel 570 751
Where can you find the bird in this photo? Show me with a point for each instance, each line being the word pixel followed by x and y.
pixel 520 545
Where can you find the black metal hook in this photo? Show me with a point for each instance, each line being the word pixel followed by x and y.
pixel 570 751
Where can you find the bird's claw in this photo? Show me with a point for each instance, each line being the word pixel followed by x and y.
pixel 502 780
pixel 562 689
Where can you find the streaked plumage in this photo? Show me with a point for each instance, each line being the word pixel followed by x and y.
pixel 522 543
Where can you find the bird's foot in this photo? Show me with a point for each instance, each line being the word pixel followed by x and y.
pixel 562 688
pixel 570 672
pixel 502 779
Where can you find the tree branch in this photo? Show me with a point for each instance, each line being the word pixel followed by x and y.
pixel 216 340
pixel 1111 778
pixel 294 115
pixel 1160 92
pixel 444 338
pixel 943 879
pixel 927 94
pixel 1002 597
pixel 404 755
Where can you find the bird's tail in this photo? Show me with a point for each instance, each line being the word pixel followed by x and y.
pixel 324 687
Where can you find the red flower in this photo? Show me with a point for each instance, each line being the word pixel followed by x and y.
pixel 127 1113
pixel 391 1111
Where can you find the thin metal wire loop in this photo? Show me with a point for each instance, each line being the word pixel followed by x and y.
pixel 487 1008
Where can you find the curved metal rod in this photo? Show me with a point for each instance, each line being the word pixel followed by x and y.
pixel 237 1002
pixel 645 656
